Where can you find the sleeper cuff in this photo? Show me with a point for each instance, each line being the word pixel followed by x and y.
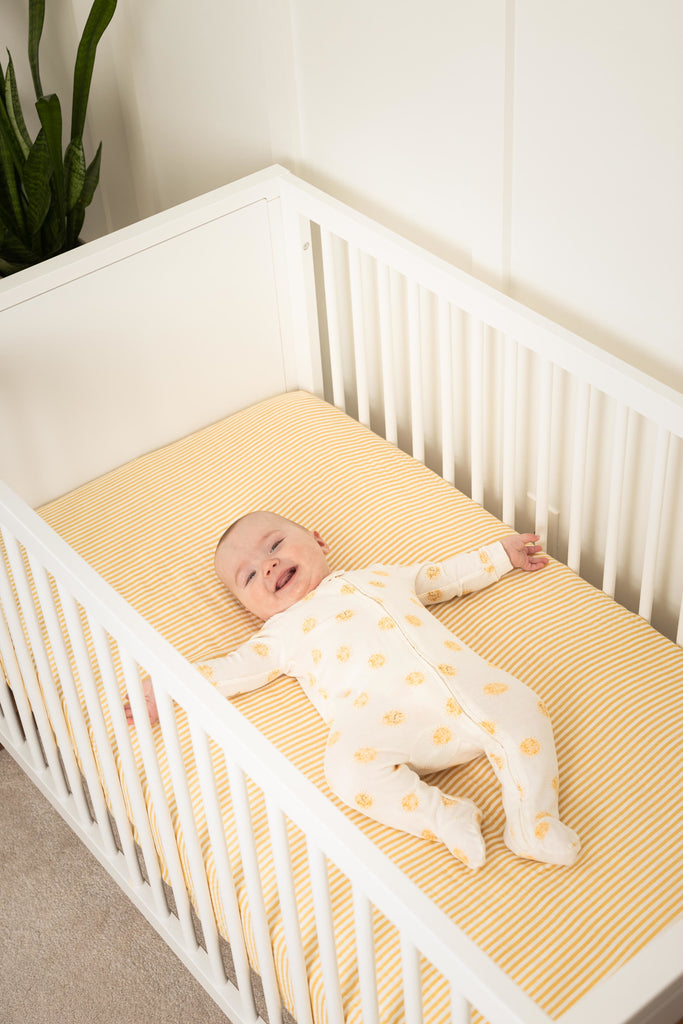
pixel 498 555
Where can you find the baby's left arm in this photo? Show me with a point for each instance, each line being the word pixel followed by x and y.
pixel 469 571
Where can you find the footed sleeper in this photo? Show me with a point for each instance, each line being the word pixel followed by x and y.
pixel 403 696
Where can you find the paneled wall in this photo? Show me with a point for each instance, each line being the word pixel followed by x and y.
pixel 538 143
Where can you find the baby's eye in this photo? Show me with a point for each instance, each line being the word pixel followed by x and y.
pixel 249 578
pixel 276 544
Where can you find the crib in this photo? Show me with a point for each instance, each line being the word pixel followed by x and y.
pixel 268 319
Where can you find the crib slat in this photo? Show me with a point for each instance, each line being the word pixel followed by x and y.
pixel 27 659
pixel 415 366
pixel 105 756
pixel 159 800
pixel 305 337
pixel 615 491
pixel 580 446
pixel 188 824
pixel 325 930
pixel 509 430
pixel 412 982
pixel 290 917
pixel 654 523
pixel 226 884
pixel 365 950
pixel 8 714
pixel 131 779
pixel 21 726
pixel 359 350
pixel 460 1008
pixel 477 410
pixel 332 307
pixel 385 337
pixel 543 434
pixel 252 878
pixel 74 710
pixel 446 391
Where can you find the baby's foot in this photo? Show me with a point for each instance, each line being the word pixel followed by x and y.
pixel 460 831
pixel 550 841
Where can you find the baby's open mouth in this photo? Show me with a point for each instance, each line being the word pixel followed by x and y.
pixel 284 578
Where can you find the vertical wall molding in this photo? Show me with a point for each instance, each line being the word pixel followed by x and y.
pixel 282 83
pixel 508 143
pixel 491 228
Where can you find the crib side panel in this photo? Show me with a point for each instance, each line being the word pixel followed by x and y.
pixel 132 350
pixel 545 430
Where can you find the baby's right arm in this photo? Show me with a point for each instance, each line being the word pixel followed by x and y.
pixel 248 668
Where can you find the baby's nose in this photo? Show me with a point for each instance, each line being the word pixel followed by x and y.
pixel 269 566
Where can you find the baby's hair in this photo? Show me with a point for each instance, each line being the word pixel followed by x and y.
pixel 246 515
pixel 233 524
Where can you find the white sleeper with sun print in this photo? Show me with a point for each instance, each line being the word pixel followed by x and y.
pixel 403 696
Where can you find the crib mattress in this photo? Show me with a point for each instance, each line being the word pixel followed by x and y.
pixel 611 683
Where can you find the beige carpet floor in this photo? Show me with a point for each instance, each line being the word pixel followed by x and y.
pixel 73 949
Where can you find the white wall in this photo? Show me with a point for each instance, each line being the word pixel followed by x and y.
pixel 535 142
pixel 597 204
pixel 544 140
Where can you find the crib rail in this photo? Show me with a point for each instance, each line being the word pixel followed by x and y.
pixel 547 431
pixel 71 649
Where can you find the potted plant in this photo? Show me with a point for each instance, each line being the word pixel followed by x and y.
pixel 44 191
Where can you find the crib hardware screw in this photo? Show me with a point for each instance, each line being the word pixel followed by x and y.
pixel 307 245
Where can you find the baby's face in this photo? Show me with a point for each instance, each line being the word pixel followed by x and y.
pixel 269 562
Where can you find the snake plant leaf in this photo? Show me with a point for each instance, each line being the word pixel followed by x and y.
pixel 92 177
pixel 74 224
pixel 36 183
pixel 76 216
pixel 10 195
pixel 13 249
pixel 101 13
pixel 7 217
pixel 13 107
pixel 74 169
pixel 5 208
pixel 50 114
pixel 7 213
pixel 36 20
pixel 53 232
pixel 7 268
pixel 11 142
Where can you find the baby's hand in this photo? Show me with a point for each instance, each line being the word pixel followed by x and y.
pixel 522 550
pixel 151 703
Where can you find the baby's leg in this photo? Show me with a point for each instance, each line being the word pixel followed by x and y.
pixel 521 748
pixel 377 783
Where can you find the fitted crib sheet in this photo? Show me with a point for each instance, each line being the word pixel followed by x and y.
pixel 611 683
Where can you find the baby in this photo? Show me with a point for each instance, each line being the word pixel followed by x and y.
pixel 402 695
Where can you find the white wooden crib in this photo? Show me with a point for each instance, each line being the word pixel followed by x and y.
pixel 264 287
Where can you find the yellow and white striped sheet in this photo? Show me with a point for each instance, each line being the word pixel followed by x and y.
pixel 612 685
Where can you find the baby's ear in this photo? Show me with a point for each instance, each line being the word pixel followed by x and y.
pixel 324 546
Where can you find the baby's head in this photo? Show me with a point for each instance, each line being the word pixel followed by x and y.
pixel 269 562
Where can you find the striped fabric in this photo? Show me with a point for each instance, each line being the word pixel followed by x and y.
pixel 612 685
